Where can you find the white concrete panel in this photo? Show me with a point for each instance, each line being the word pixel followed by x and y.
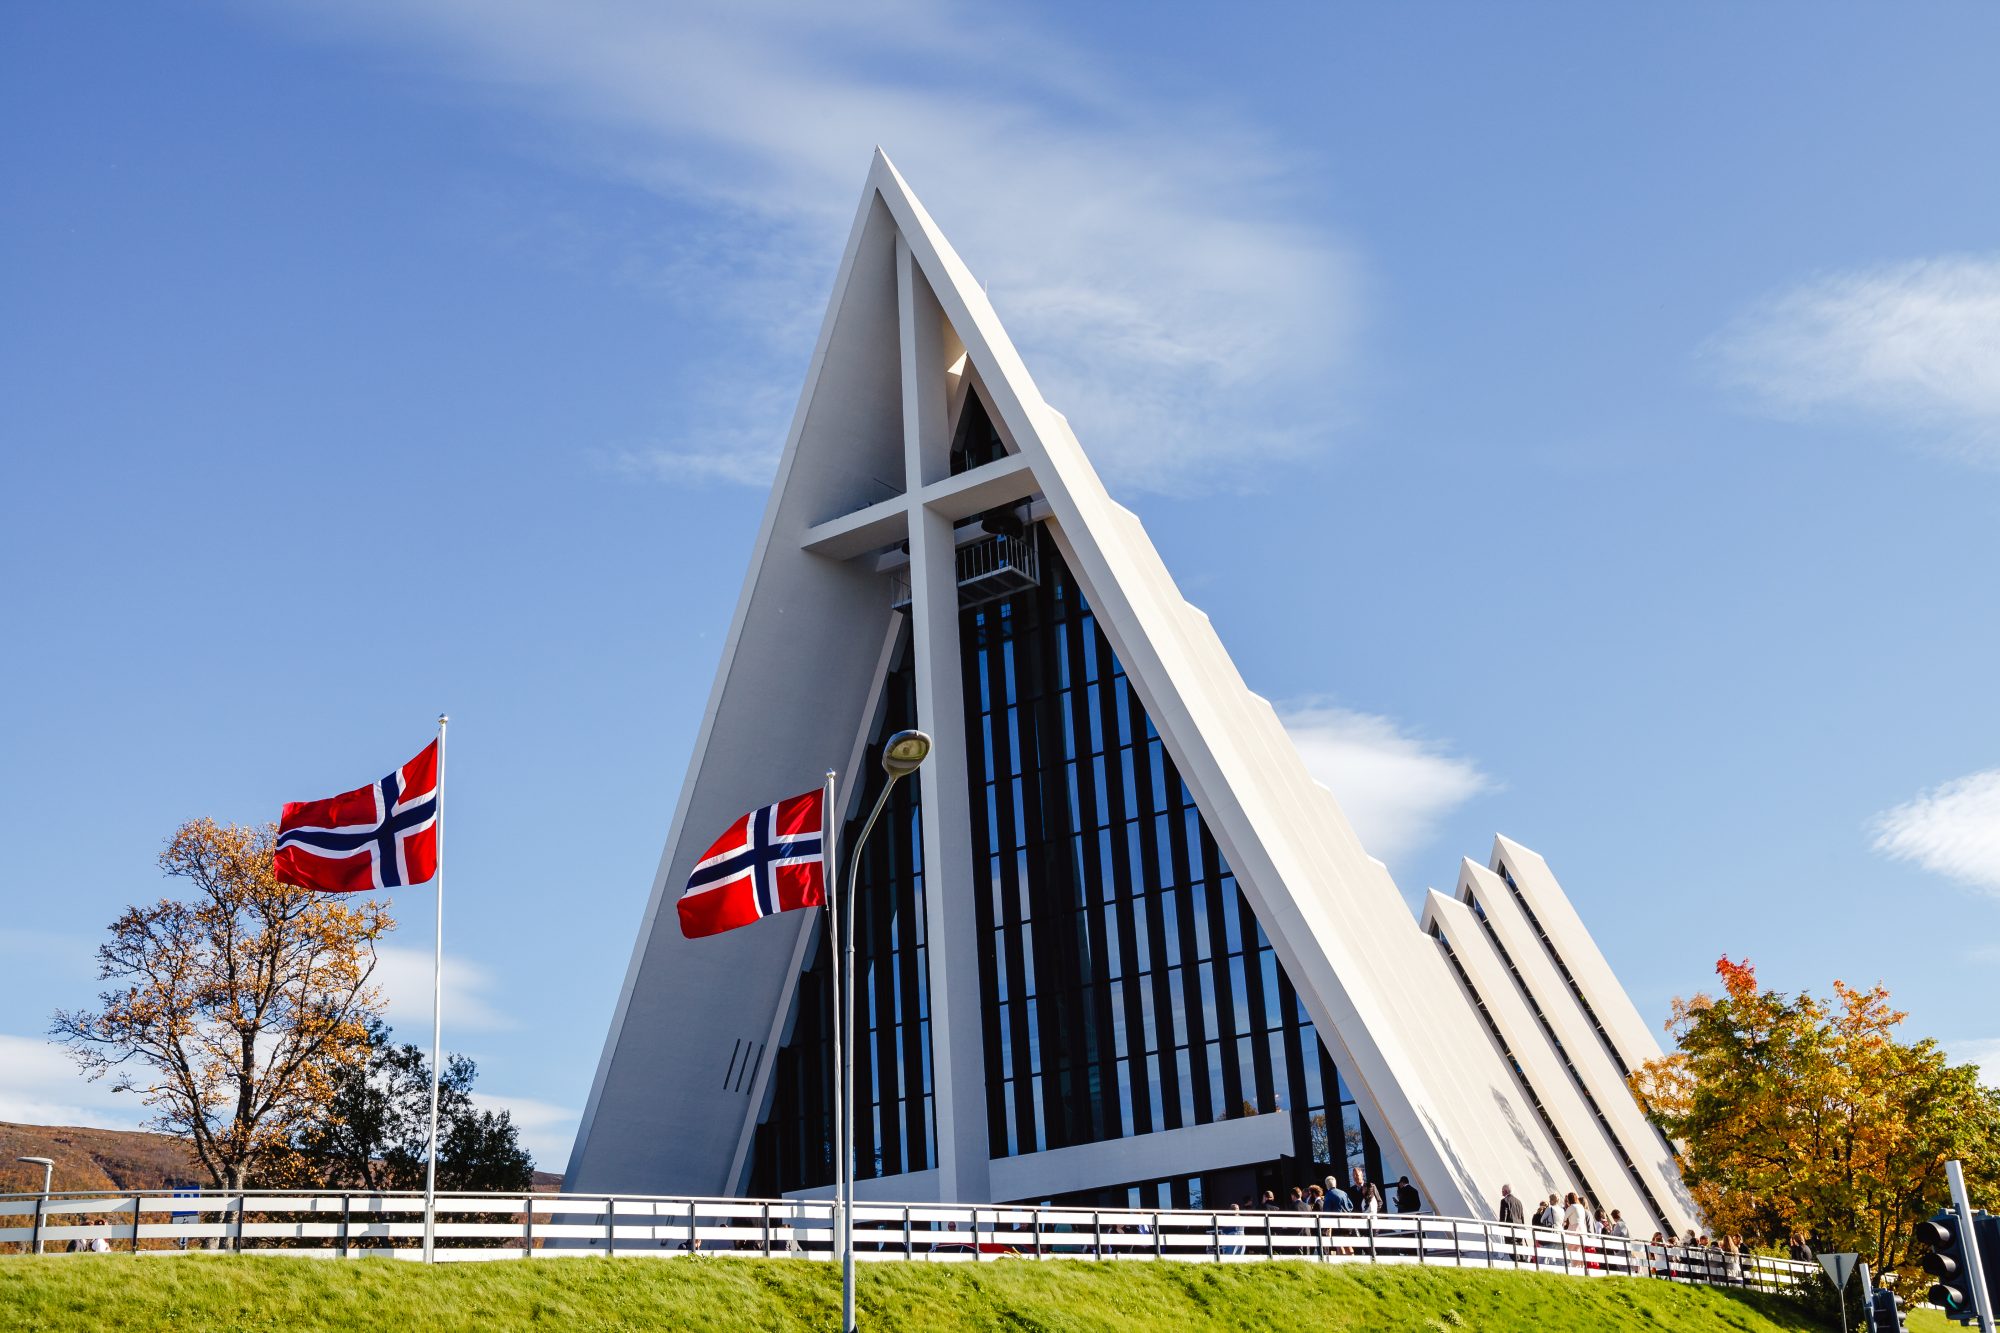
pixel 958 1057
pixel 664 1115
pixel 1605 1179
pixel 1580 1046
pixel 1635 1040
pixel 1170 1152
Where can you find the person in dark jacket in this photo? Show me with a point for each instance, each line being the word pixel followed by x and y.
pixel 1511 1209
pixel 1406 1196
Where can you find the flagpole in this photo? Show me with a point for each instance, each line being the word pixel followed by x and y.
pixel 829 820
pixel 437 1018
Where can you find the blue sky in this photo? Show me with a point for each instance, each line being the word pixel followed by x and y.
pixel 1584 421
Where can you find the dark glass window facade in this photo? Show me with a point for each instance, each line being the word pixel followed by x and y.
pixel 894 1121
pixel 1128 986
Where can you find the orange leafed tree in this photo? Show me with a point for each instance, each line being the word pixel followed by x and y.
pixel 230 1014
pixel 1795 1114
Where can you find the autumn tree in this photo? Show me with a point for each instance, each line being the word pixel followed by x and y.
pixel 1797 1114
pixel 231 1014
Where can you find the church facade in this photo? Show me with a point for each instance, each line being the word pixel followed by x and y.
pixel 1116 946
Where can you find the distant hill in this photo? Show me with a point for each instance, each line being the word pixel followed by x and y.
pixel 114 1159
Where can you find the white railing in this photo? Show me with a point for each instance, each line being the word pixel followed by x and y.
pixel 516 1226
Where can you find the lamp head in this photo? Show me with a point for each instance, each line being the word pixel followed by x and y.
pixel 905 753
pixel 37 1161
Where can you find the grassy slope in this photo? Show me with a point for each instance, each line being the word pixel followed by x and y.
pixel 212 1293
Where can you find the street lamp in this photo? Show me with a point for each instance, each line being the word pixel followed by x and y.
pixel 902 756
pixel 48 1166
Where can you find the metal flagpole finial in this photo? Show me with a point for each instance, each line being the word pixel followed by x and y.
pixel 442 719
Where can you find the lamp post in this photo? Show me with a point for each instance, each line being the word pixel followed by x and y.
pixel 903 755
pixel 48 1166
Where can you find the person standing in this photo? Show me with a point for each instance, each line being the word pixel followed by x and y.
pixel 1512 1213
pixel 1574 1216
pixel 1406 1196
pixel 1367 1198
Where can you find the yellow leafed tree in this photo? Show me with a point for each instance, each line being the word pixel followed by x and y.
pixel 231 1013
pixel 1796 1115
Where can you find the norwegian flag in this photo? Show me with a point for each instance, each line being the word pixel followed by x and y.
pixel 378 837
pixel 770 860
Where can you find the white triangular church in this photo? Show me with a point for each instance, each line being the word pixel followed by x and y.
pixel 1117 945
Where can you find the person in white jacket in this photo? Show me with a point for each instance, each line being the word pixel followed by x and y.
pixel 1575 1216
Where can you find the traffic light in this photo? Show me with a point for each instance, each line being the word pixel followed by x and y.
pixel 1885 1313
pixel 1947 1263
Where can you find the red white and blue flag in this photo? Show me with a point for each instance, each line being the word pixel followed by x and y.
pixel 382 836
pixel 770 860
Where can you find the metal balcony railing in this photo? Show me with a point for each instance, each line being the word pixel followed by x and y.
pixel 996 567
pixel 989 569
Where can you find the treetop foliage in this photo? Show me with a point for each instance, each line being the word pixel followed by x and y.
pixel 231 1014
pixel 1796 1114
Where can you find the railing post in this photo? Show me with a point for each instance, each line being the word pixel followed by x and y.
pixel 1420 1240
pixel 610 1224
pixel 909 1237
pixel 1215 1235
pixel 693 1244
pixel 766 1209
pixel 1270 1244
pixel 528 1228
pixel 346 1206
pixel 1373 1256
pixel 1159 1239
pixel 135 1224
pixel 41 1202
pixel 1037 1225
pixel 242 1205
pixel 1319 1236
pixel 1096 1235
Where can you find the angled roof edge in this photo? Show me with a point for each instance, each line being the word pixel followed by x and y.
pixel 1376 982
pixel 814 368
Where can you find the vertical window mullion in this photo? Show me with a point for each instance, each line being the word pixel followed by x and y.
pixel 1259 1003
pixel 1156 925
pixel 1226 999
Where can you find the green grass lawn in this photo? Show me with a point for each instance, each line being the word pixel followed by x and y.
pixel 218 1293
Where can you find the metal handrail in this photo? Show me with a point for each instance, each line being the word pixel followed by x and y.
pixel 479 1225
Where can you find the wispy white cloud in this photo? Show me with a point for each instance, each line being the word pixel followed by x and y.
pixel 1915 344
pixel 40 1085
pixel 1147 252
pixel 1981 1051
pixel 1953 829
pixel 1394 787
pixel 546 1130
pixel 405 976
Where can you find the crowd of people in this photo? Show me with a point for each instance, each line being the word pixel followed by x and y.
pixel 1571 1216
pixel 1360 1195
